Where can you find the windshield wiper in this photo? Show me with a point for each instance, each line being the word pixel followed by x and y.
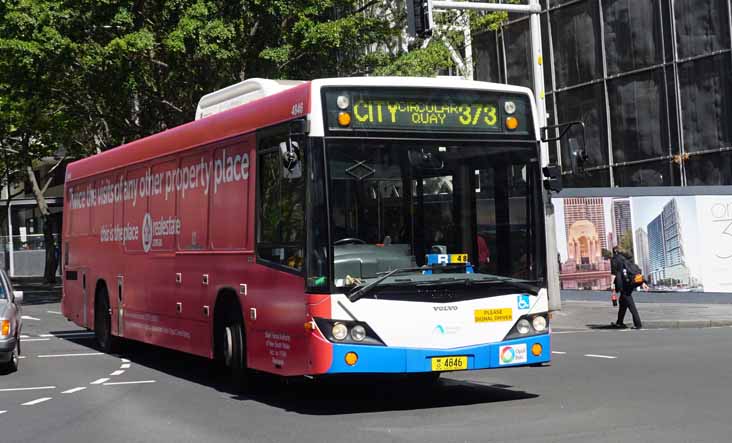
pixel 360 291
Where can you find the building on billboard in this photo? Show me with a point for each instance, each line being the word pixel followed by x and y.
pixel 656 255
pixel 621 219
pixel 585 267
pixel 676 269
pixel 642 258
pixel 666 250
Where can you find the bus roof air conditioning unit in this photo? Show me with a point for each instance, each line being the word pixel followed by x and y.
pixel 240 93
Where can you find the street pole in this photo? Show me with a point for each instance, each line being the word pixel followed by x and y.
pixel 533 8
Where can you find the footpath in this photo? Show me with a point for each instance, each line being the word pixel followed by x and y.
pixel 595 311
pixel 36 291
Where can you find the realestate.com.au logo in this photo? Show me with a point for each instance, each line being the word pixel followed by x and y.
pixel 147 232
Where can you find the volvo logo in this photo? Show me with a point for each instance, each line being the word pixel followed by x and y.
pixel 445 308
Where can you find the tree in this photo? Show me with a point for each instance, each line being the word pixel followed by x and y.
pixel 84 76
pixel 625 243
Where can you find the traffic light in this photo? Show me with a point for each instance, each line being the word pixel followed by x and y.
pixel 419 18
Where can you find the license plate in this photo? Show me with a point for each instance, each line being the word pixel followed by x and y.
pixel 459 363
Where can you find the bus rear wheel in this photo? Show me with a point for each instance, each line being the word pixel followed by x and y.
pixel 103 323
pixel 235 356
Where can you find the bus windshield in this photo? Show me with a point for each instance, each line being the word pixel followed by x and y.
pixel 395 202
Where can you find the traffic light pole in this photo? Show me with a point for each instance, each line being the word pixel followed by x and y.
pixel 533 8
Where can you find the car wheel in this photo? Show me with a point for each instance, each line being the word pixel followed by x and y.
pixel 12 364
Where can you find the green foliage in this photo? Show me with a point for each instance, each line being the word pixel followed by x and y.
pixel 88 75
pixel 419 62
pixel 625 243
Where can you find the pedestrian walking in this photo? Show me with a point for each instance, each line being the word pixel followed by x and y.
pixel 624 285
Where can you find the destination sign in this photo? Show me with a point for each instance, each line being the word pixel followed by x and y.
pixel 444 110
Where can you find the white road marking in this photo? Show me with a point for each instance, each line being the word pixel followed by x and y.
pixel 129 382
pixel 117 372
pixel 36 401
pixel 28 317
pixel 125 366
pixel 70 355
pixel 21 356
pixel 37 388
pixel 71 391
pixel 54 312
pixel 99 382
pixel 25 336
pixel 28 340
pixel 2 412
pixel 46 335
pixel 559 352
pixel 124 360
pixel 600 356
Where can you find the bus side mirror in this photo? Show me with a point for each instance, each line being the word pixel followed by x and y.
pixel 552 177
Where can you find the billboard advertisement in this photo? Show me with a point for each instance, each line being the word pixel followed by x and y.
pixel 680 243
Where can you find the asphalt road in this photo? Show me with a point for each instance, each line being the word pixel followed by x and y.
pixel 602 386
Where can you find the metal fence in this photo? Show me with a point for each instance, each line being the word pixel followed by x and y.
pixel 28 254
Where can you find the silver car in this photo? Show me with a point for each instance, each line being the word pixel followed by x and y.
pixel 10 324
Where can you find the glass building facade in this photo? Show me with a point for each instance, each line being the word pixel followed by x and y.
pixel 651 80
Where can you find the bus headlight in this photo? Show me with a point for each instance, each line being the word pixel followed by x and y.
pixel 346 331
pixel 339 331
pixel 523 326
pixel 358 333
pixel 539 323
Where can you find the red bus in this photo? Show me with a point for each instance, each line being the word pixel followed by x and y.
pixel 354 225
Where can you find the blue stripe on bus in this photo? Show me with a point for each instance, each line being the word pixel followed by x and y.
pixel 384 359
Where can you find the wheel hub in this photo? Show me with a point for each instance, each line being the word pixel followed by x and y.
pixel 228 345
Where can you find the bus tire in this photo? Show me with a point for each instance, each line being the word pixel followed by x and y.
pixel 235 356
pixel 103 322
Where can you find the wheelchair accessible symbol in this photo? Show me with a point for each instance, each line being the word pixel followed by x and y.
pixel 524 301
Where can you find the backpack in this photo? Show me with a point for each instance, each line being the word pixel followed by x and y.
pixel 632 274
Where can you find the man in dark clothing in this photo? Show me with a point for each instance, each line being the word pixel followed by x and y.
pixel 625 289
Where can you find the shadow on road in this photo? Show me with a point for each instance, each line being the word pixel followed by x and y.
pixel 603 326
pixel 323 396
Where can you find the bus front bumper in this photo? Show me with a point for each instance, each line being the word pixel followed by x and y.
pixel 384 359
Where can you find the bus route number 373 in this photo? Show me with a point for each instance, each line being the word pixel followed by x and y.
pixel 457 363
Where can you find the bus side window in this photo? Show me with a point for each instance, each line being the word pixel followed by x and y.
pixel 281 214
